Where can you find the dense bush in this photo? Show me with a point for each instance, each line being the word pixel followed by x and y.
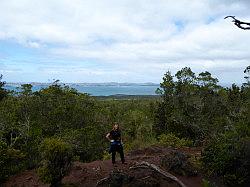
pixel 27 118
pixel 190 105
pixel 228 156
pixel 11 161
pixel 178 163
pixel 88 143
pixel 173 141
pixel 56 161
pixel 3 92
pixel 196 108
pixel 192 110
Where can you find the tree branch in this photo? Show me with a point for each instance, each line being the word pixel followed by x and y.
pixel 156 169
pixel 240 24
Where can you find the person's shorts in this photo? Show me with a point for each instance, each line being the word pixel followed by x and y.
pixel 115 147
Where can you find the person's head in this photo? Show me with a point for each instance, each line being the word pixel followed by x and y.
pixel 116 126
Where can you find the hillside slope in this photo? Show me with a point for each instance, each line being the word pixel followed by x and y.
pixel 88 174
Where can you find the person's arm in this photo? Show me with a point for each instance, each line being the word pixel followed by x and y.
pixel 108 136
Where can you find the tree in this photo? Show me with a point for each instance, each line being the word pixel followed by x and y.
pixel 26 89
pixel 205 79
pixel 3 91
pixel 189 105
pixel 164 110
pixel 185 76
pixel 247 77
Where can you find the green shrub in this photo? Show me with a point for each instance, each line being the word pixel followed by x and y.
pixel 106 155
pixel 56 161
pixel 206 183
pixel 11 161
pixel 228 157
pixel 178 163
pixel 173 141
pixel 139 144
pixel 88 143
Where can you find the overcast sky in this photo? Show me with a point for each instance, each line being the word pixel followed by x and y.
pixel 121 40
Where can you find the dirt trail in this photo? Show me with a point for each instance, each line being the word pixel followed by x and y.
pixel 87 174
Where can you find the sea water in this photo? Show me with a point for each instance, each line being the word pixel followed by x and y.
pixel 104 90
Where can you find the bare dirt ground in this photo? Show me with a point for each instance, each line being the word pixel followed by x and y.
pixel 88 174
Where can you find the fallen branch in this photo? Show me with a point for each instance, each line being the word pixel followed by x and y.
pixel 146 165
pixel 129 177
pixel 100 182
pixel 240 24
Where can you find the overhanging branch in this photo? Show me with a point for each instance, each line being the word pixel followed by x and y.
pixel 240 24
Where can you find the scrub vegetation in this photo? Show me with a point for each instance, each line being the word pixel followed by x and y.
pixel 50 128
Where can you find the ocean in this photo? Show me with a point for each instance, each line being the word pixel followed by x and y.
pixel 102 90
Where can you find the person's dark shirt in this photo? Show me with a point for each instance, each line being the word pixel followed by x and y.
pixel 115 135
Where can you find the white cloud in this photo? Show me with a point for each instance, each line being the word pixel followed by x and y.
pixel 143 36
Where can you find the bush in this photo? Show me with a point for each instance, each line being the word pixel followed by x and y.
pixel 56 161
pixel 173 141
pixel 207 183
pixel 178 163
pixel 88 143
pixel 228 157
pixel 106 155
pixel 10 161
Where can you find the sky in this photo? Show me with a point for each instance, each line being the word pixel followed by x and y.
pixel 121 40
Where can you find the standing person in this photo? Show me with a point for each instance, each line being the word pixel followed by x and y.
pixel 115 139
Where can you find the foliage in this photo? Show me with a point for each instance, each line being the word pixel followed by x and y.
pixel 139 144
pixel 3 92
pixel 193 110
pixel 139 129
pixel 84 142
pixel 190 105
pixel 56 161
pixel 106 155
pixel 228 156
pixel 178 163
pixel 27 118
pixel 173 141
pixel 197 108
pixel 10 161
pixel 206 183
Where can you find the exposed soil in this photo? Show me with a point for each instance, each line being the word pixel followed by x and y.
pixel 88 174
